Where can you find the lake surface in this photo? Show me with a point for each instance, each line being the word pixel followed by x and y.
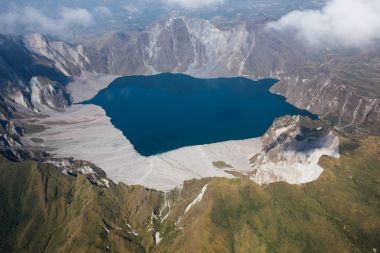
pixel 169 111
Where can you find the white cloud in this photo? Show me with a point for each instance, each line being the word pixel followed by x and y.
pixel 131 8
pixel 350 23
pixel 102 11
pixel 193 4
pixel 29 19
pixel 75 16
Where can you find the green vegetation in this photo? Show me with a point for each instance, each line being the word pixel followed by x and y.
pixel 221 165
pixel 340 212
pixel 46 211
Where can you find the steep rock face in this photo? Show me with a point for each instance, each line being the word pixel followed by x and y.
pixel 292 149
pixel 341 85
pixel 27 81
pixel 333 100
pixel 19 67
pixel 69 60
pixel 273 54
pixel 177 44
pixel 45 92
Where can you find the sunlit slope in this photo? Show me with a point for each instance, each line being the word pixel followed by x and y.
pixel 340 212
pixel 45 211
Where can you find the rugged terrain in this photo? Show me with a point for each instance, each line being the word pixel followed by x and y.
pixel 60 205
pixel 38 73
pixel 340 85
pixel 291 151
pixel 47 210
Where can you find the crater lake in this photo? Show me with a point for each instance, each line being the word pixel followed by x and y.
pixel 165 112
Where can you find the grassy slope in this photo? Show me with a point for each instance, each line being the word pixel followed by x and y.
pixel 358 71
pixel 44 211
pixel 340 212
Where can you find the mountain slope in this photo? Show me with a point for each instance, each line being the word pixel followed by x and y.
pixel 337 213
pixel 46 211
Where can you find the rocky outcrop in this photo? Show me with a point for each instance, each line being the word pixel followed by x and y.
pixel 332 100
pixel 69 60
pixel 72 167
pixel 292 149
pixel 340 85
pixel 30 76
pixel 45 92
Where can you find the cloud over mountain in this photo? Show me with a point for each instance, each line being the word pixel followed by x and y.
pixel 193 4
pixel 30 19
pixel 102 11
pixel 350 23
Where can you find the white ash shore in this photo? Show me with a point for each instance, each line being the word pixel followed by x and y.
pixel 85 132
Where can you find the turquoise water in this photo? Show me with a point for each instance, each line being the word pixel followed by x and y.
pixel 169 111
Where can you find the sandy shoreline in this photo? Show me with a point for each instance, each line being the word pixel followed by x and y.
pixel 85 132
pixel 84 89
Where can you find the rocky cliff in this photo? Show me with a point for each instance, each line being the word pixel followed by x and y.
pixel 292 148
pixel 338 84
pixel 29 83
